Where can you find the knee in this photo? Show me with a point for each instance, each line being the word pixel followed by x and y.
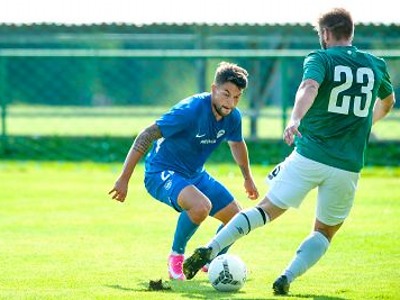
pixel 326 233
pixel 326 230
pixel 199 212
pixel 271 209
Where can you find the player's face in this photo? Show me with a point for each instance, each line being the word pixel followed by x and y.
pixel 225 98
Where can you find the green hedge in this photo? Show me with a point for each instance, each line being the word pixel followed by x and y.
pixel 114 149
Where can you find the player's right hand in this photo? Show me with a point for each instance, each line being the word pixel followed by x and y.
pixel 119 191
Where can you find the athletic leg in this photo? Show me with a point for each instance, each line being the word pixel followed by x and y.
pixel 196 208
pixel 240 225
pixel 243 223
pixel 283 186
pixel 335 199
pixel 308 254
pixel 223 251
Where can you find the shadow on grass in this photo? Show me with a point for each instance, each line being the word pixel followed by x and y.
pixel 201 289
pixel 315 297
pixel 119 287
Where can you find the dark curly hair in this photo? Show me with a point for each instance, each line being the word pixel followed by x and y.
pixel 229 72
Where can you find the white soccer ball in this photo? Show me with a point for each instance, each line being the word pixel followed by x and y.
pixel 227 273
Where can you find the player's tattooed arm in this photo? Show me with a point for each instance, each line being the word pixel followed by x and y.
pixel 138 148
pixel 145 138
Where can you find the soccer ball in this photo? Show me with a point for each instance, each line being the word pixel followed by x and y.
pixel 227 273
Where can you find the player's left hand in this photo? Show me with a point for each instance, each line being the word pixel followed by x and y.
pixel 251 189
pixel 290 132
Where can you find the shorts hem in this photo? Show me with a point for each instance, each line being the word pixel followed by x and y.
pixel 277 202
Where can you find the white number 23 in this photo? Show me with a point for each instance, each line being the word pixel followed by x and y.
pixel 366 89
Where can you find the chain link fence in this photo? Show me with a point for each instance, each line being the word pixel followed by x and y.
pixel 54 101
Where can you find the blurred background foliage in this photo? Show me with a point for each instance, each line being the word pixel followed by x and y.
pixel 89 107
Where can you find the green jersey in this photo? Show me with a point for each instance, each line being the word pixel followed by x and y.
pixel 335 130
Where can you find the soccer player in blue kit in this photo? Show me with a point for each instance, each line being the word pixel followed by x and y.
pixel 182 139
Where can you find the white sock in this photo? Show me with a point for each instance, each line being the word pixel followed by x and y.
pixel 240 225
pixel 309 252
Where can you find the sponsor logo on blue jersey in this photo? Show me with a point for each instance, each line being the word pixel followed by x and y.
pixel 210 141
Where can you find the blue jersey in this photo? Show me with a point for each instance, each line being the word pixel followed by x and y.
pixel 190 134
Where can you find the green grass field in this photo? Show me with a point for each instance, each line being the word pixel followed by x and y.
pixel 61 237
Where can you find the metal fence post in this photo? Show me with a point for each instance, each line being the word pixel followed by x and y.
pixel 284 91
pixel 201 62
pixel 3 102
pixel 284 102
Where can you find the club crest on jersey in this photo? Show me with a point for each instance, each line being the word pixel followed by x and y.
pixel 220 133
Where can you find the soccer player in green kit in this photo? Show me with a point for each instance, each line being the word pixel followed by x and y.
pixel 343 92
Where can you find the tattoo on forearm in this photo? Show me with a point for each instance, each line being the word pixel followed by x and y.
pixel 145 138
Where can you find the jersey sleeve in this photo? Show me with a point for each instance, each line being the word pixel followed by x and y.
pixel 314 67
pixel 174 121
pixel 386 87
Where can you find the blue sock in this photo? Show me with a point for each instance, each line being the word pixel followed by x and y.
pixel 185 229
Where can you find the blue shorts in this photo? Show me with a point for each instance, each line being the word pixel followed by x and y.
pixel 166 186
